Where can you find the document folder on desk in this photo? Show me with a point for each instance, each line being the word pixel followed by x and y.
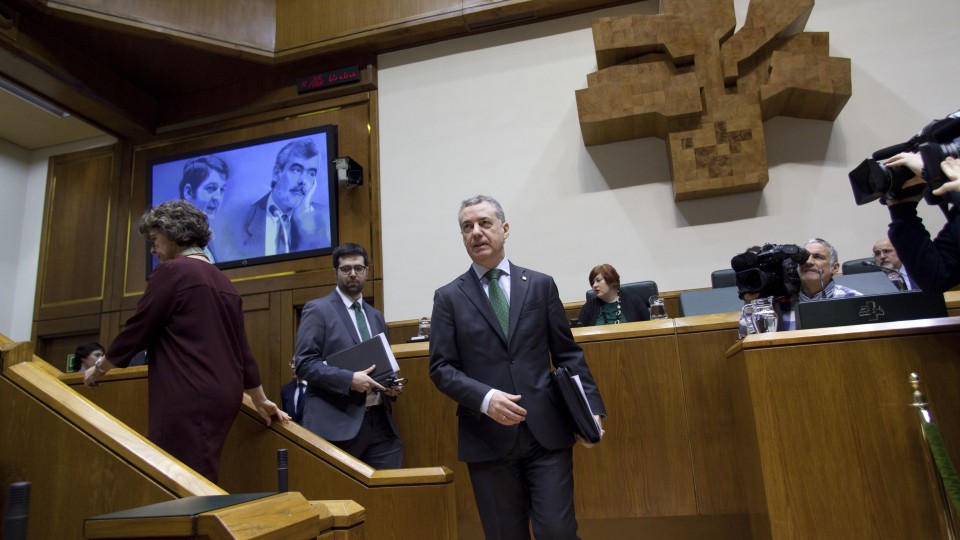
pixel 375 350
pixel 570 388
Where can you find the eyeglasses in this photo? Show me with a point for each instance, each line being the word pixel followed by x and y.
pixel 359 269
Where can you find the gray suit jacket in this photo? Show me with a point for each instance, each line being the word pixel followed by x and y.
pixel 469 355
pixel 331 409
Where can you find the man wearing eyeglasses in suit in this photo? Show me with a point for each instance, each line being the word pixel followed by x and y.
pixel 349 409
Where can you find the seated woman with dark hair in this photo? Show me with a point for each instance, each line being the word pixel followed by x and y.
pixel 611 305
pixel 87 355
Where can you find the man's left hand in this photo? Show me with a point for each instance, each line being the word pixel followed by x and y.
pixel 585 443
pixel 951 168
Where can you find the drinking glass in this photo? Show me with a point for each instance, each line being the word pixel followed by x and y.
pixel 657 309
pixel 747 314
pixel 764 315
pixel 423 327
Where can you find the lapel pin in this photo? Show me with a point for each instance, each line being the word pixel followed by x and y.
pixel 524 278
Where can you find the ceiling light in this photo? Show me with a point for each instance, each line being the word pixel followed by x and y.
pixel 32 98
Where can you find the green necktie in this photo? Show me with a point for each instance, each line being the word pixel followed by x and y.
pixel 361 322
pixel 498 299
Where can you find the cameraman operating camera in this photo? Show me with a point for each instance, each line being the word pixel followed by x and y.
pixel 934 265
pixel 804 281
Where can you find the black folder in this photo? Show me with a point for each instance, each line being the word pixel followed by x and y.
pixel 375 350
pixel 583 421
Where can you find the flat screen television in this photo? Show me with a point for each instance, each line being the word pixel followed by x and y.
pixel 268 199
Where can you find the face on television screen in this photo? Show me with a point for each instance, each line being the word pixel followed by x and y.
pixel 267 200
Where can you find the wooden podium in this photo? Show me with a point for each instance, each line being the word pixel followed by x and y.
pixel 828 443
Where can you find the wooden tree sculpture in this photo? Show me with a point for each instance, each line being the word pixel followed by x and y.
pixel 685 77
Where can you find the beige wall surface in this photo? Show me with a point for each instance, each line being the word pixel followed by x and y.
pixel 496 113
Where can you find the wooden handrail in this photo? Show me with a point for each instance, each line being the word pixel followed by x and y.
pixel 34 376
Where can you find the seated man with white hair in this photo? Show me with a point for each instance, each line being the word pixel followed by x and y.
pixel 816 275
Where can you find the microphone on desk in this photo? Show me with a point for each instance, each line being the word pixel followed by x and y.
pixel 895 276
pixel 820 271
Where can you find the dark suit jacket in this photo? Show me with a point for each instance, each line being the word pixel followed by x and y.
pixel 248 242
pixel 332 410
pixel 469 355
pixel 287 402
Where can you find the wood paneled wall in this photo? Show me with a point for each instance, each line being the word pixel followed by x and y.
pixel 828 441
pixel 93 266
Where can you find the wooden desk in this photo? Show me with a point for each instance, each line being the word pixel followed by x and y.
pixel 829 444
pixel 667 462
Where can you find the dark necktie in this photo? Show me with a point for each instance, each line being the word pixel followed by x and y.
pixel 499 300
pixel 361 322
pixel 281 229
pixel 301 387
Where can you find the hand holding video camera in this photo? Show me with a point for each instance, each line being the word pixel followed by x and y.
pixel 951 168
pixel 903 171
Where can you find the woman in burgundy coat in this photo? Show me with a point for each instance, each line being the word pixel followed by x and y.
pixel 190 321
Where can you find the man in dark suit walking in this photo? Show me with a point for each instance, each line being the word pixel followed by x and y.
pixel 347 408
pixel 494 330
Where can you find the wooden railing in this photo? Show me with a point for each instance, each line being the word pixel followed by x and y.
pixel 79 460
pixel 84 461
pixel 418 500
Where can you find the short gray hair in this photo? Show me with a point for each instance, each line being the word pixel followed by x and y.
pixel 834 259
pixel 477 199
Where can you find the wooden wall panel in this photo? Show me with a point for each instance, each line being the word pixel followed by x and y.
pixel 830 445
pixel 646 427
pixel 709 413
pixel 302 23
pixel 263 319
pixel 242 24
pixel 76 239
pixel 427 421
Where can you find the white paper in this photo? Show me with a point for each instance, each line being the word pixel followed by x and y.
pixel 393 360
